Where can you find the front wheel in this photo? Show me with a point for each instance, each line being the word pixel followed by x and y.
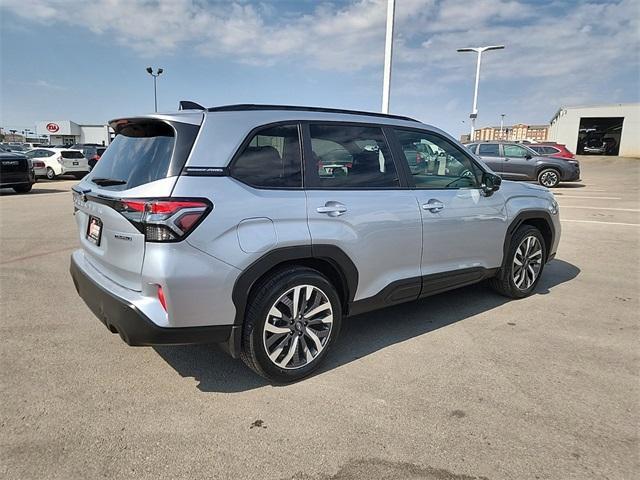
pixel 523 264
pixel 291 321
pixel 549 177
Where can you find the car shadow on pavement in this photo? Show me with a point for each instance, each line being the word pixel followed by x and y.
pixel 8 192
pixel 361 335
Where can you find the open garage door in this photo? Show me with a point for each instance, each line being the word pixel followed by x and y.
pixel 599 136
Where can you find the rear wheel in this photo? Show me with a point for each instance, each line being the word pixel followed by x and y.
pixel 523 265
pixel 50 173
pixel 549 177
pixel 291 321
pixel 23 188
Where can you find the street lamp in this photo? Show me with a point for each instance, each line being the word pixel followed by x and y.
pixel 478 50
pixel 155 91
pixel 501 124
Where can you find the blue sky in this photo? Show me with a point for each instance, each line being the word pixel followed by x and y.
pixel 85 60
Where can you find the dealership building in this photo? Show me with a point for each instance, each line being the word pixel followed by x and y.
pixel 601 129
pixel 63 132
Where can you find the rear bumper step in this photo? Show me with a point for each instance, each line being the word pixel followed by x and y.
pixel 135 328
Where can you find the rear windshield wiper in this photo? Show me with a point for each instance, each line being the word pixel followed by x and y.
pixel 106 182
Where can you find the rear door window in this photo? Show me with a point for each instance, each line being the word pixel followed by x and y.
pixel 144 151
pixel 350 156
pixel 489 150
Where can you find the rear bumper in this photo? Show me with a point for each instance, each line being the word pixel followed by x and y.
pixel 134 327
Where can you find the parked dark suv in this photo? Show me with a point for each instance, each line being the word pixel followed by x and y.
pixel 513 161
pixel 16 171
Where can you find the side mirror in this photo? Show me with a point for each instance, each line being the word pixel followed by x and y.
pixel 490 183
pixel 528 156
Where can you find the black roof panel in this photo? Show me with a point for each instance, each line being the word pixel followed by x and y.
pixel 250 106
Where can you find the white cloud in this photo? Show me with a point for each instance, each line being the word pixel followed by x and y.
pixel 556 51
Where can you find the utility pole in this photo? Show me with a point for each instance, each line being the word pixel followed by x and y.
pixel 501 125
pixel 474 111
pixel 388 56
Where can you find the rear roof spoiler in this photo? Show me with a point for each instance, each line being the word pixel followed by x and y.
pixel 189 105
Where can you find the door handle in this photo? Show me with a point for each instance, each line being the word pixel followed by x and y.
pixel 333 209
pixel 434 205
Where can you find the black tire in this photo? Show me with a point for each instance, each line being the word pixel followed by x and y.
pixel 51 175
pixel 549 177
pixel 266 294
pixel 23 188
pixel 504 283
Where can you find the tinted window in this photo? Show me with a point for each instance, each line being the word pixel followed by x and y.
pixel 71 154
pixel 472 147
pixel 438 163
pixel 272 159
pixel 143 152
pixel 489 150
pixel 347 156
pixel 515 151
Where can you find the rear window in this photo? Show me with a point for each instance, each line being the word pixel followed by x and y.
pixel 71 154
pixel 145 151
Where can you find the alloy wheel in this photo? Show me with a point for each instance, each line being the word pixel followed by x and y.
pixel 298 327
pixel 549 178
pixel 527 262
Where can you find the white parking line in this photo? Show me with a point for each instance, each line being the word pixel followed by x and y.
pixel 601 223
pixel 602 208
pixel 596 198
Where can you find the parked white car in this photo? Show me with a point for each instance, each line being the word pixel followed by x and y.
pixel 59 161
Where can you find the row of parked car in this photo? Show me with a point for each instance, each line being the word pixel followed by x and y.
pixel 22 164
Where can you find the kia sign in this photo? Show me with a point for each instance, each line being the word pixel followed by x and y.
pixel 53 127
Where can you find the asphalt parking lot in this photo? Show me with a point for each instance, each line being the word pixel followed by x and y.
pixel 459 386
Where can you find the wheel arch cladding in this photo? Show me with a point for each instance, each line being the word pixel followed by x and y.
pixel 539 219
pixel 329 260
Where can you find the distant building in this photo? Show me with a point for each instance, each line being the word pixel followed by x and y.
pixel 63 132
pixel 520 131
pixel 599 129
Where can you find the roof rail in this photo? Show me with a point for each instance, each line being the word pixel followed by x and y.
pixel 189 105
pixel 250 106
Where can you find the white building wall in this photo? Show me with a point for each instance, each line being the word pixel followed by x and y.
pixel 94 134
pixel 565 126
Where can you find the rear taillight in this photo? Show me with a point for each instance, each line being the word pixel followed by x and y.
pixel 60 160
pixel 164 220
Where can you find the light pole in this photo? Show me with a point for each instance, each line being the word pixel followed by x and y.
pixel 155 91
pixel 501 125
pixel 478 50
pixel 388 54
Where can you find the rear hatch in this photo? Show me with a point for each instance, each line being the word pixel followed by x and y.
pixel 13 168
pixel 72 159
pixel 141 164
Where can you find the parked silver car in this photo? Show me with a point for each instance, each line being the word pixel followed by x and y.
pixel 519 162
pixel 216 225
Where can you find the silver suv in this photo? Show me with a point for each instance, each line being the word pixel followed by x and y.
pixel 262 227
